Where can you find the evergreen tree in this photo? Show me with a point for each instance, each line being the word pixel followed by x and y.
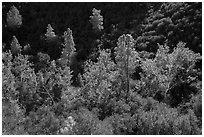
pixel 170 23
pixel 15 46
pixel 96 20
pixel 69 48
pixel 127 59
pixel 50 34
pixel 14 19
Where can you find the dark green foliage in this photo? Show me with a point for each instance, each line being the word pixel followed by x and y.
pixel 171 23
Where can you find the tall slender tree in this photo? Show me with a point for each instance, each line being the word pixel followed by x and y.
pixel 126 58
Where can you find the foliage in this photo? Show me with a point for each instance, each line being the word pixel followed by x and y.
pixel 43 61
pixel 186 124
pixel 98 78
pixel 15 46
pixel 159 119
pixel 103 128
pixel 8 79
pixel 171 23
pixel 96 20
pixel 68 126
pixel 122 124
pixel 197 105
pixel 43 121
pixel 196 102
pixel 122 90
pixel 14 19
pixel 169 70
pixel 126 59
pixel 69 48
pixel 12 118
pixel 50 34
pixel 150 117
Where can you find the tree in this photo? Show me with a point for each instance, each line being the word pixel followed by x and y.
pixel 69 48
pixel 98 78
pixel 96 20
pixel 169 70
pixel 171 23
pixel 15 46
pixel 14 19
pixel 126 59
pixel 50 34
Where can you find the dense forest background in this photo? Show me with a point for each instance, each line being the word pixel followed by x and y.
pixel 102 68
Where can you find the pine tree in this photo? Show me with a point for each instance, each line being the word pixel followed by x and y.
pixel 96 20
pixel 50 34
pixel 14 19
pixel 69 48
pixel 126 58
pixel 15 46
